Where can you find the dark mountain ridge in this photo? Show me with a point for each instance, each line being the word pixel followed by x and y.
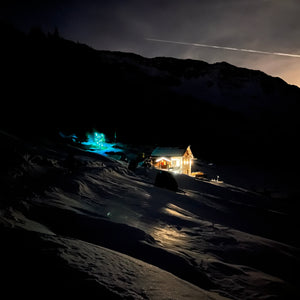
pixel 226 113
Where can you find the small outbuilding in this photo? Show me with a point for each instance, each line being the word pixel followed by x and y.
pixel 174 159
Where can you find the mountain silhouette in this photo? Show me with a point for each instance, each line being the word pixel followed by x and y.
pixel 226 113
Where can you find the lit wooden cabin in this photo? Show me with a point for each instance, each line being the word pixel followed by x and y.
pixel 174 159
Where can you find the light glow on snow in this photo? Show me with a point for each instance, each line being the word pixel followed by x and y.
pixel 72 137
pixel 96 142
pixel 169 236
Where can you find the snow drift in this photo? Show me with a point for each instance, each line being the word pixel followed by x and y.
pixel 100 229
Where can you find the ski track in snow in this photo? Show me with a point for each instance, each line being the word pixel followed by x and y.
pixel 133 240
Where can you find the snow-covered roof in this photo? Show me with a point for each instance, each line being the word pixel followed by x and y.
pixel 168 151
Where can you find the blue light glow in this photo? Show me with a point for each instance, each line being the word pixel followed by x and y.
pixel 96 142
pixel 72 137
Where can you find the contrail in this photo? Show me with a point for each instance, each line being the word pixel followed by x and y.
pixel 224 48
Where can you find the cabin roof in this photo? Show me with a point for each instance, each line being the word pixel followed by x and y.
pixel 168 151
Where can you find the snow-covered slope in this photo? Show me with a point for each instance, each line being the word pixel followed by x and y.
pixel 96 228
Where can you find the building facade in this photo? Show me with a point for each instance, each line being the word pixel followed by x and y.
pixel 174 159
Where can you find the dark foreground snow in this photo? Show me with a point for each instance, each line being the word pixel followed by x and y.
pixel 98 229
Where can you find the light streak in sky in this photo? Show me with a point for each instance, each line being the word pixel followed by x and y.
pixel 224 48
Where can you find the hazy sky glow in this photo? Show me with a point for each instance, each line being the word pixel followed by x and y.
pixel 263 25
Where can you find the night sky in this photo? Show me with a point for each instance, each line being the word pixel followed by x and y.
pixel 125 25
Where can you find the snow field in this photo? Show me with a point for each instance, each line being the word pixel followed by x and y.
pixel 114 233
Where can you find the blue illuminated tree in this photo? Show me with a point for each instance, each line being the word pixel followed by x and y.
pixel 99 140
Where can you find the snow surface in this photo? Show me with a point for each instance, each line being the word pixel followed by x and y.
pixel 100 229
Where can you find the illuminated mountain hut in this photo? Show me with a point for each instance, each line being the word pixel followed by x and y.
pixel 175 159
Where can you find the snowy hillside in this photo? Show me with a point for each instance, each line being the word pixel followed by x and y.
pixel 95 228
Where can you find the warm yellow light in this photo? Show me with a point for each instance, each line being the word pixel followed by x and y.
pixel 162 158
